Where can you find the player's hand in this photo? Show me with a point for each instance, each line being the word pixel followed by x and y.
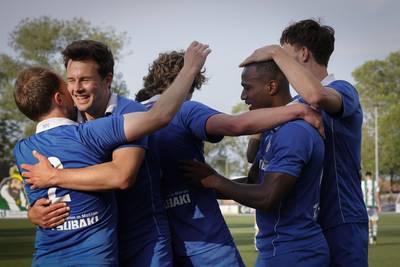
pixel 314 117
pixel 40 175
pixel 260 54
pixel 199 173
pixel 48 215
pixel 195 57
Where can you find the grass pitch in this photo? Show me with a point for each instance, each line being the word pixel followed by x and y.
pixel 17 237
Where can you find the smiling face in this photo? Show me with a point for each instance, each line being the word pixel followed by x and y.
pixel 88 89
pixel 255 93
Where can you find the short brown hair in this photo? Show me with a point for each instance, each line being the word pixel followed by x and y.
pixel 162 72
pixel 90 50
pixel 319 39
pixel 34 88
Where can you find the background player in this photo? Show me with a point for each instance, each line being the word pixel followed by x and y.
pixel 370 189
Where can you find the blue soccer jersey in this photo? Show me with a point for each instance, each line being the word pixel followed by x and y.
pixel 341 194
pixel 88 236
pixel 143 230
pixel 296 149
pixel 196 222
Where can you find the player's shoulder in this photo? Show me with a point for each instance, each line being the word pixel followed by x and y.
pixel 296 126
pixel 342 85
pixel 125 105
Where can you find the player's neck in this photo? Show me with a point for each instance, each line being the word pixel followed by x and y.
pixel 55 113
pixel 319 71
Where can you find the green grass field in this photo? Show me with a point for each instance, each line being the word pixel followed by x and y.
pixel 17 236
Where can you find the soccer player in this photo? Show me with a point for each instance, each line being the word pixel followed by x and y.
pixel 306 48
pixel 286 198
pixel 370 189
pixel 88 236
pixel 143 229
pixel 199 233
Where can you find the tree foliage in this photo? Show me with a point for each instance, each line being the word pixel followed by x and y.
pixel 39 41
pixel 378 83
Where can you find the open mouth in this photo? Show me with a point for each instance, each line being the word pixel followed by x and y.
pixel 81 99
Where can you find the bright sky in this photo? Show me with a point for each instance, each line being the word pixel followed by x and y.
pixel 365 30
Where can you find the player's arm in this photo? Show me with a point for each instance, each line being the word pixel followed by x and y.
pixel 251 178
pixel 119 173
pixel 47 215
pixel 139 124
pixel 259 120
pixel 301 79
pixel 252 147
pixel 265 196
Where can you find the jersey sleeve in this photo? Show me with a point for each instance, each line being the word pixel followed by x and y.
pixel 104 134
pixel 128 108
pixel 194 116
pixel 291 147
pixel 350 98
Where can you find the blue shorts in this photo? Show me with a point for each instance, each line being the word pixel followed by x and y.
pixel 154 254
pixel 348 244
pixel 225 255
pixel 316 255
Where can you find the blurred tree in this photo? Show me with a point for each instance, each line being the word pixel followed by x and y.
pixel 229 156
pixel 39 41
pixel 378 83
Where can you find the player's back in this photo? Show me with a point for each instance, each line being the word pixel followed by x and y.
pixel 88 235
pixel 142 218
pixel 196 222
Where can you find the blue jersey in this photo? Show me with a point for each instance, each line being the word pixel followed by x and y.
pixel 142 219
pixel 88 236
pixel 195 219
pixel 296 149
pixel 341 194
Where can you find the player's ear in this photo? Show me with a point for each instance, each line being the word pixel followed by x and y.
pixel 305 54
pixel 58 98
pixel 272 87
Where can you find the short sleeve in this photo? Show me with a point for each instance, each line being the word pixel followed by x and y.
pixel 291 148
pixel 103 134
pixel 350 98
pixel 128 107
pixel 194 116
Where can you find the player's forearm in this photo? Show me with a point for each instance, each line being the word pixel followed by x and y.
pixel 254 121
pixel 105 176
pixel 140 124
pixel 247 194
pixel 301 79
pixel 172 98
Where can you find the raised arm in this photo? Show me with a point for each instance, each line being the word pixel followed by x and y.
pixel 137 125
pixel 302 80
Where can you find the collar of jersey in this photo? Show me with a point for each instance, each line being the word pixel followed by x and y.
pixel 53 123
pixel 111 105
pixel 154 98
pixel 328 79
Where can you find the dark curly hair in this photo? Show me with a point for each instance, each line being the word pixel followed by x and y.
pixel 319 39
pixel 162 72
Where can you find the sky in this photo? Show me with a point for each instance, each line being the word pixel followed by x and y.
pixel 365 30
